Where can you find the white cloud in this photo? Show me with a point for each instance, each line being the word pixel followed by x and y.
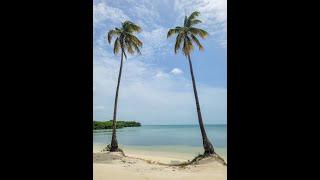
pixel 102 12
pixel 212 11
pixel 151 96
pixel 146 13
pixel 176 71
pixel 161 75
pixel 155 43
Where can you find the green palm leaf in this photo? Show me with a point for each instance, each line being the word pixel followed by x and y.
pixel 112 33
pixel 193 15
pixel 178 42
pixel 194 22
pixel 136 47
pixel 196 31
pixel 126 41
pixel 116 47
pixel 185 21
pixel 172 31
pixel 195 39
pixel 186 35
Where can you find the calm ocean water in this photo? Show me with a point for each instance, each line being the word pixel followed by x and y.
pixel 164 135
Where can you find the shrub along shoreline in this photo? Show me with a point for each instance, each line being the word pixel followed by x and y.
pixel 120 124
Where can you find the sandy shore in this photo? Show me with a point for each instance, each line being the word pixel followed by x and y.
pixel 135 167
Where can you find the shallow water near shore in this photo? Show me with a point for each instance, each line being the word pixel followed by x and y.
pixel 175 141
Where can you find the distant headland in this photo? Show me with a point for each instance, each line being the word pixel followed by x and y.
pixel 120 124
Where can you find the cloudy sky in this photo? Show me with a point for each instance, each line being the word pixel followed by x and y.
pixel 156 86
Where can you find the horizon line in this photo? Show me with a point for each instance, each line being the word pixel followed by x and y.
pixel 167 124
pixel 182 124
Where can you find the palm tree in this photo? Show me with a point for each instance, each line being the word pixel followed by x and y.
pixel 186 35
pixel 125 41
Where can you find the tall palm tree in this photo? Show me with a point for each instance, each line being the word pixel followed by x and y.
pixel 125 41
pixel 186 35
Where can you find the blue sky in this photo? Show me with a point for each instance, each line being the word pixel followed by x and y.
pixel 156 86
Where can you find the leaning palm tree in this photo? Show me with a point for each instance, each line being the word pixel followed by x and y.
pixel 125 41
pixel 186 35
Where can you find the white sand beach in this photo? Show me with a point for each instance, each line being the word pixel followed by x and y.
pixel 139 164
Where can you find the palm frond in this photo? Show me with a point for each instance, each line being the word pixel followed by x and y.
pixel 116 47
pixel 112 33
pixel 196 31
pixel 125 41
pixel 129 46
pixel 194 22
pixel 194 15
pixel 136 47
pixel 131 27
pixel 185 21
pixel 178 42
pixel 195 39
pixel 189 42
pixel 173 31
pixel 134 39
pixel 187 46
pixel 187 34
pixel 191 18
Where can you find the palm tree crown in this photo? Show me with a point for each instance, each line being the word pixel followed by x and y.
pixel 125 40
pixel 187 34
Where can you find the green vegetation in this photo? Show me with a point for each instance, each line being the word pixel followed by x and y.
pixel 120 124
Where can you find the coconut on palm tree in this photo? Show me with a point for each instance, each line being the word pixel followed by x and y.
pixel 125 42
pixel 187 35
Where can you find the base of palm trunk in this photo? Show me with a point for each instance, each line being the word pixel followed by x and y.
pixel 111 148
pixel 208 148
pixel 209 151
pixel 114 149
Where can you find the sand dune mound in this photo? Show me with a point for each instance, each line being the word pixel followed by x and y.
pixel 109 157
pixel 120 167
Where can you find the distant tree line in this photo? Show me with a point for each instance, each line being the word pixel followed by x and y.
pixel 120 124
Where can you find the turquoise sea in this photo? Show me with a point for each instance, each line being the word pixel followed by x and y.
pixel 169 138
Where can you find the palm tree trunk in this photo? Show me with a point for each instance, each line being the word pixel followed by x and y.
pixel 114 142
pixel 208 148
